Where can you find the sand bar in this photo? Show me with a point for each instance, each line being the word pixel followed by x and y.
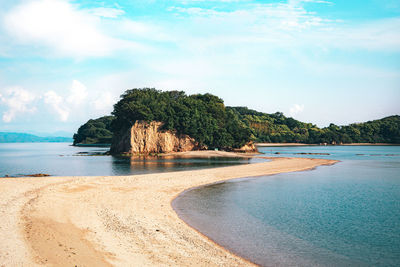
pixel 115 221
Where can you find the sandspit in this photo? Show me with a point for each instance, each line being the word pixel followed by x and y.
pixel 115 220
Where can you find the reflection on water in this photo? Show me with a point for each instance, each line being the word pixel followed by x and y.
pixel 61 159
pixel 153 164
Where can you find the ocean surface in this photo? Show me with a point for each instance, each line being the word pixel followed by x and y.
pixel 347 214
pixel 62 159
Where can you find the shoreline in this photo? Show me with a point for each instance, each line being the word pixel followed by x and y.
pixel 282 144
pixel 116 220
pixel 301 144
pixel 210 154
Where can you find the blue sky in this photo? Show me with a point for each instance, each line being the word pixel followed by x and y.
pixel 63 62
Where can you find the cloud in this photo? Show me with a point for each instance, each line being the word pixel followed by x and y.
pixel 17 101
pixel 105 102
pixel 379 35
pixel 296 109
pixel 283 25
pixel 143 31
pixel 76 103
pixel 64 106
pixel 65 28
pixel 107 12
pixel 186 2
pixel 275 16
pixel 57 103
pixel 299 2
pixel 78 93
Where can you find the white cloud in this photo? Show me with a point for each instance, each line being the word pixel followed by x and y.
pixel 276 16
pixel 18 101
pixel 66 29
pixel 78 93
pixel 64 106
pixel 69 30
pixel 299 2
pixel 57 24
pixel 185 2
pixel 142 30
pixel 380 35
pixel 74 103
pixel 283 25
pixel 107 12
pixel 104 103
pixel 57 103
pixel 296 109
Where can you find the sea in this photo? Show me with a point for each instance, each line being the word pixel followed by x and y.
pixel 62 159
pixel 347 214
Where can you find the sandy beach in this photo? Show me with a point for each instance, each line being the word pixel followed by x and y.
pixel 115 220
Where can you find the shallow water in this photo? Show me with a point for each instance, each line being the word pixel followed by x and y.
pixel 61 159
pixel 347 214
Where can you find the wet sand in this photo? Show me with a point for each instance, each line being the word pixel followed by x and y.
pixel 115 220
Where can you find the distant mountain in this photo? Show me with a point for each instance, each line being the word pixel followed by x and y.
pixel 53 134
pixel 8 137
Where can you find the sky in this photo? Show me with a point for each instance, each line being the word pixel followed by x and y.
pixel 63 62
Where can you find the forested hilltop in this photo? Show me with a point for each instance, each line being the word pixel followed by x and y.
pixel 96 131
pixel 276 128
pixel 205 118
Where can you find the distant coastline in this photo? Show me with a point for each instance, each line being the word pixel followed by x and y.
pixel 14 137
pixel 283 144
pixel 370 144
pixel 92 145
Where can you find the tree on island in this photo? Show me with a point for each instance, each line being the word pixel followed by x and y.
pixel 96 131
pixel 203 117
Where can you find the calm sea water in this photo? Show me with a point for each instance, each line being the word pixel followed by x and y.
pixel 347 214
pixel 61 159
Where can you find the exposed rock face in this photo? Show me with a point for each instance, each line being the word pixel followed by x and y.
pixel 247 148
pixel 145 138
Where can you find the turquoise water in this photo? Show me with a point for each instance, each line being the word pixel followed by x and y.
pixel 61 159
pixel 347 214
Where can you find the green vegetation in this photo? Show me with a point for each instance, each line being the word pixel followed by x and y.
pixel 277 128
pixel 205 118
pixel 96 131
pixel 202 117
pixel 386 130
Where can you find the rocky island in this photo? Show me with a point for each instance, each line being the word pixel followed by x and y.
pixel 149 121
pixel 152 121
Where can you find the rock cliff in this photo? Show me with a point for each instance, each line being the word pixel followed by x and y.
pixel 247 148
pixel 145 138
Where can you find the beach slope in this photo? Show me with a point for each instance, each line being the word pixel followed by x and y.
pixel 115 221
